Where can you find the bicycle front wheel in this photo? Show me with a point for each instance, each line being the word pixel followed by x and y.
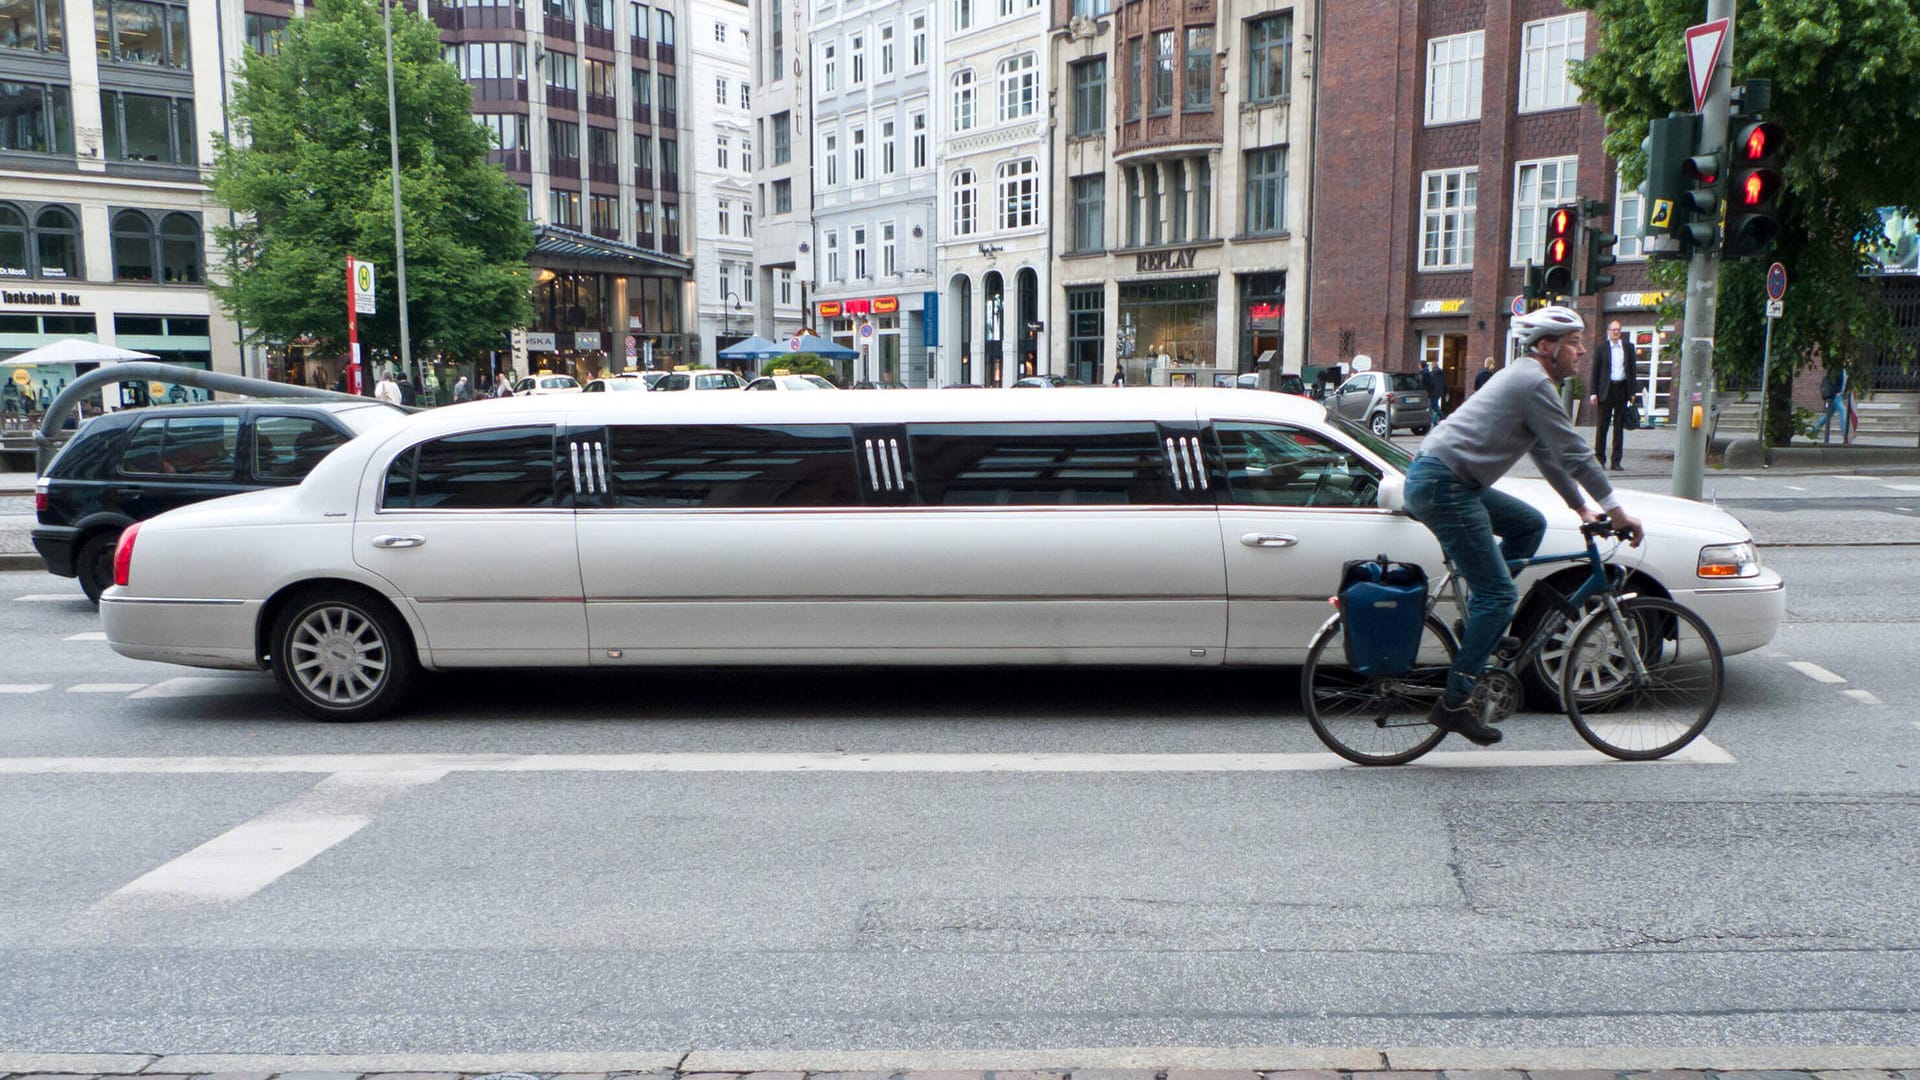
pixel 1375 719
pixel 1646 710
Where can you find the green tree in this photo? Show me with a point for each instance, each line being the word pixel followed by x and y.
pixel 1846 86
pixel 308 175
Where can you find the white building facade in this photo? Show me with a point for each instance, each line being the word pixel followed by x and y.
pixel 720 71
pixel 994 178
pixel 782 167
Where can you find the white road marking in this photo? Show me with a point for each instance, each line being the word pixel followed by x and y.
pixel 1795 487
pixel 48 598
pixel 1815 672
pixel 1864 697
pixel 249 857
pixel 24 688
pixel 105 687
pixel 1699 752
pixel 88 635
pixel 1901 487
pixel 206 686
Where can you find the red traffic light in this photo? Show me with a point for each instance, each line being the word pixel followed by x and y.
pixel 1760 143
pixel 1558 225
pixel 1755 147
pixel 1557 251
pixel 1757 188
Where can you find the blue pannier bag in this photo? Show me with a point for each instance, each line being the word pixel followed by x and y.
pixel 1383 605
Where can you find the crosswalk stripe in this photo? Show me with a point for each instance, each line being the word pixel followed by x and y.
pixel 206 686
pixel 88 635
pixel 1864 697
pixel 105 687
pixel 1699 752
pixel 1815 671
pixel 48 598
pixel 24 688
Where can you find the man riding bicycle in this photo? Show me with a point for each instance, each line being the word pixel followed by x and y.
pixel 1450 491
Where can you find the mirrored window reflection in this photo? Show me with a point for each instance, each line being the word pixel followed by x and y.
pixel 508 468
pixel 735 467
pixel 1039 464
pixel 1270 465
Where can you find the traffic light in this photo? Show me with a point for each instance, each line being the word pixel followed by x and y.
pixel 1670 141
pixel 1703 173
pixel 1532 289
pixel 1599 257
pixel 1562 223
pixel 1753 196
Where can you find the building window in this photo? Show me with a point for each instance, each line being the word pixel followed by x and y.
pixel 860 251
pixel 1090 96
pixel 170 253
pixel 831 243
pixel 600 82
pixel 962 14
pixel 889 264
pixel 1269 58
pixel 563 71
pixel 669 94
pixel 720 145
pixel 1134 70
pixel 643 219
pixel 785 278
pixel 1177 171
pixel 720 91
pixel 664 25
pixel 966 206
pixel 746 96
pixel 857 60
pixel 642 96
pixel 1199 90
pixel 886 50
pixel 776 39
pixel 606 214
pixel 1202 199
pixel 1162 102
pixel 139 127
pixel 38 25
pixel 918 46
pixel 1455 70
pixel 746 155
pixel 1538 186
pixel 830 161
pixel 887 148
pixel 1547 48
pixel 264 33
pixel 724 210
pixel 563 208
pixel 38 118
pixel 782 138
pixel 1628 222
pixel 563 142
pixel 827 67
pixel 489 60
pixel 638 16
pixel 670 160
pixel 963 100
pixel 919 140
pixel 746 219
pixel 1150 201
pixel 1088 9
pixel 1089 212
pixel 1019 87
pixel 49 249
pixel 1446 219
pixel 141 32
pixel 726 279
pixel 859 137
pixel 1266 190
pixel 1019 190
pixel 642 151
pixel 720 32
pixel 602 149
pixel 783 196
pixel 670 223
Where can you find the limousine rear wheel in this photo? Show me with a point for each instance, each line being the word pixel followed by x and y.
pixel 342 656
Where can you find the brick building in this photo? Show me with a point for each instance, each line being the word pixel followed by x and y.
pixel 1445 132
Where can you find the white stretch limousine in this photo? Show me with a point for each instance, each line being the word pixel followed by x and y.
pixel 1091 526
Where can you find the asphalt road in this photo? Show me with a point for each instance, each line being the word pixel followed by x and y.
pixel 540 881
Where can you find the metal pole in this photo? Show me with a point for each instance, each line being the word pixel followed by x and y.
pixel 399 228
pixel 1693 398
pixel 1766 368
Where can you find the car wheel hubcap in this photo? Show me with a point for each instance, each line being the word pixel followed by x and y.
pixel 338 656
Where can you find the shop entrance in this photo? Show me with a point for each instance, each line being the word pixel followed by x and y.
pixel 1449 353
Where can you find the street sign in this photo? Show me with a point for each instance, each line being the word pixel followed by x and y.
pixel 1704 43
pixel 1519 305
pixel 794 343
pixel 866 329
pixel 362 287
pixel 1776 282
pixel 1776 308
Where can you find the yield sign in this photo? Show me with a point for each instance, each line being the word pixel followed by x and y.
pixel 1704 43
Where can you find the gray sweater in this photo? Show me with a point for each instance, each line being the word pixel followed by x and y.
pixel 1518 412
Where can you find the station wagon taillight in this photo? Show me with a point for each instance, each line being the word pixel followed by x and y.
pixel 40 496
pixel 123 553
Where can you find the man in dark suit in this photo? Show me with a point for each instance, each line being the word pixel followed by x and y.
pixel 1614 364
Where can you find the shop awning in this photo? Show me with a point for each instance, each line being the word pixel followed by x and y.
pixel 564 249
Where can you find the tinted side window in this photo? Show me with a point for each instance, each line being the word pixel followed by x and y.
pixel 713 465
pixel 1268 465
pixel 672 380
pixel 480 470
pixel 89 455
pixel 183 446
pixel 1038 464
pixel 288 447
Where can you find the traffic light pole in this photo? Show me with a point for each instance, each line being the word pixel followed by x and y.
pixel 1692 399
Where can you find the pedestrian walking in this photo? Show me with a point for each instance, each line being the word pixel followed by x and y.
pixel 461 390
pixel 1614 364
pixel 1435 382
pixel 1837 391
pixel 1486 372
pixel 387 389
pixel 1119 376
pixel 501 387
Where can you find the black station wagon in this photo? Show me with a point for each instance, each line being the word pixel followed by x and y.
pixel 130 465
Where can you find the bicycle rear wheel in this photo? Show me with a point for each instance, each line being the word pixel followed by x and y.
pixel 1638 716
pixel 1373 719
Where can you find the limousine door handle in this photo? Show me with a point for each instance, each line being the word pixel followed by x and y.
pixel 398 541
pixel 1268 539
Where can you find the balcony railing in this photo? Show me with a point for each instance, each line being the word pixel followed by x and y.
pixel 600 106
pixel 645 240
pixel 478 18
pixel 607 232
pixel 603 174
pixel 498 89
pixel 511 160
pixel 643 179
pixel 560 28
pixel 563 166
pixel 600 37
pixel 563 99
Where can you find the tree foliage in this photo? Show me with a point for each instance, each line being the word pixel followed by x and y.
pixel 1846 86
pixel 308 175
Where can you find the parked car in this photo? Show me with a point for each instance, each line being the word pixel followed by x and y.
pixel 130 465
pixel 802 381
pixel 1207 526
pixel 701 379
pixel 1047 381
pixel 622 383
pixel 1383 401
pixel 545 383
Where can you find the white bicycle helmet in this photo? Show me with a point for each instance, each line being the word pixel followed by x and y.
pixel 1547 322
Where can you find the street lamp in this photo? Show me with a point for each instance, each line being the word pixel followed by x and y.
pixel 726 313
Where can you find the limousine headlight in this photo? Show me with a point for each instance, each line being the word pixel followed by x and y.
pixel 1729 561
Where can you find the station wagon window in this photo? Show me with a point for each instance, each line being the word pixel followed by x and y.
pixel 288 447
pixel 508 468
pixel 183 446
pixel 1039 464
pixel 732 466
pixel 1270 465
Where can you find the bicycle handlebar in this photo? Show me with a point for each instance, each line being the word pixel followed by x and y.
pixel 1598 530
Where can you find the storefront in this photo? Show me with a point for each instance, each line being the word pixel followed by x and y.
pixel 1165 325
pixel 1638 315
pixel 36 314
pixel 1263 317
pixel 600 306
pixel 886 335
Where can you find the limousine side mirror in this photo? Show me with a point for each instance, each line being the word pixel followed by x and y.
pixel 1393 492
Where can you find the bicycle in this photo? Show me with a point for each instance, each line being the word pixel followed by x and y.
pixel 1641 676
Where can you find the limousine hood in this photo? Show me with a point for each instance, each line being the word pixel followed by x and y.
pixel 1662 514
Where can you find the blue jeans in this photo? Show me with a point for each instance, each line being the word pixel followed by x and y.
pixel 1465 520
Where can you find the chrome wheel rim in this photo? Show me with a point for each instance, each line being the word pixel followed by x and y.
pixel 337 656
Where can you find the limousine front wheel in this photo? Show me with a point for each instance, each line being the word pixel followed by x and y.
pixel 341 656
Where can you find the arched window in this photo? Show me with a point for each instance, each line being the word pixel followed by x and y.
pixel 180 249
pixel 966 203
pixel 1019 191
pixel 963 100
pixel 1019 78
pixel 56 238
pixel 133 244
pixel 13 242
